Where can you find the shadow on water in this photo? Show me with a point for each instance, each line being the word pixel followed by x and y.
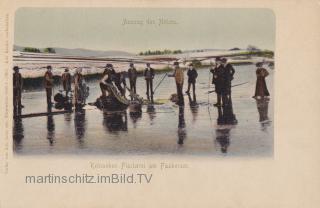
pixel 115 122
pixel 50 130
pixel 226 120
pixel 80 125
pixel 182 133
pixel 262 106
pixel 135 117
pixel 194 107
pixel 18 132
pixel 151 112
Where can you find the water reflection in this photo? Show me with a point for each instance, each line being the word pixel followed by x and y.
pixel 18 132
pixel 194 107
pixel 226 117
pixel 80 124
pixel 135 117
pixel 151 112
pixel 262 106
pixel 115 122
pixel 182 133
pixel 50 129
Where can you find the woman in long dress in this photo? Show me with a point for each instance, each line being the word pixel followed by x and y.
pixel 261 86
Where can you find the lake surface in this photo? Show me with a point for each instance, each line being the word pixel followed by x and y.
pixel 165 129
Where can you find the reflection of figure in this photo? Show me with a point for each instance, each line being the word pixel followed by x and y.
pixel 132 74
pixel 80 124
pixel 261 86
pixel 17 132
pixel 226 115
pixel 48 84
pixel 194 107
pixel 115 122
pixel 262 106
pixel 151 112
pixel 17 90
pixel 192 76
pixel 181 126
pixel 135 117
pixel 223 137
pixel 66 81
pixel 149 76
pixel 50 129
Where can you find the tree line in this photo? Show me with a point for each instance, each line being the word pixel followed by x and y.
pixel 158 52
pixel 37 50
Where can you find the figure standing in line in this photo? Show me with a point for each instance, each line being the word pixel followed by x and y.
pixel 66 81
pixel 192 76
pixel 78 91
pixel 149 76
pixel 132 74
pixel 261 86
pixel 218 80
pixel 48 84
pixel 179 77
pixel 228 77
pixel 17 89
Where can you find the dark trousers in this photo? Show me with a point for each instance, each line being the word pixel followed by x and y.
pixel 49 95
pixel 17 101
pixel 149 93
pixel 180 93
pixel 193 87
pixel 133 85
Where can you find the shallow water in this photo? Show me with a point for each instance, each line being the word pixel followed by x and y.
pixel 166 129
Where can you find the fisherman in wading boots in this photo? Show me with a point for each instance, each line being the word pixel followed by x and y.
pixel 228 77
pixel 132 74
pixel 149 75
pixel 218 80
pixel 66 81
pixel 48 84
pixel 17 89
pixel 179 77
pixel 78 91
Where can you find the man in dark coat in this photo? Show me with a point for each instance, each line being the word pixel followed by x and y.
pixel 192 76
pixel 228 77
pixel 149 76
pixel 261 85
pixel 218 80
pixel 132 74
pixel 48 84
pixel 106 78
pixel 17 88
pixel 66 81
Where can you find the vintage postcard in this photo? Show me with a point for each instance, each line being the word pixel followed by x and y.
pixel 149 105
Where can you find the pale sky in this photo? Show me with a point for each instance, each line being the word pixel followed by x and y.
pixel 102 29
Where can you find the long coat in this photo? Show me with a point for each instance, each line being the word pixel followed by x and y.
pixel 261 86
pixel 228 77
pixel 218 79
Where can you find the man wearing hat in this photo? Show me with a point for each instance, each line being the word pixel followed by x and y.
pixel 179 77
pixel 17 88
pixel 132 74
pixel 48 84
pixel 228 77
pixel 148 76
pixel 66 81
pixel 218 80
pixel 192 76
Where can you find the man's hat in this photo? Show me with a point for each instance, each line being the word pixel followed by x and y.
pixel 148 64
pixel 191 64
pixel 15 68
pixel 176 63
pixel 66 69
pixel 224 60
pixel 258 64
pixel 49 67
pixel 131 64
pixel 218 58
pixel 109 65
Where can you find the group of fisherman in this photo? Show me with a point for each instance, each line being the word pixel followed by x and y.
pixel 222 76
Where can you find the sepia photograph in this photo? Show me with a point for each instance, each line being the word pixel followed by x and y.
pixel 144 81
